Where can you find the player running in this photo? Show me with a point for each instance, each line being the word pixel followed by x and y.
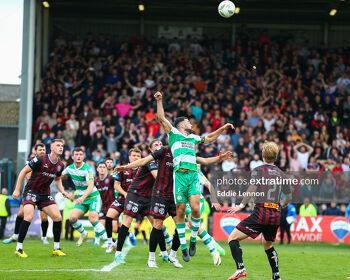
pixel 89 197
pixel 137 201
pixel 162 202
pixel 182 142
pixel 265 217
pixel 123 180
pixel 45 169
pixel 39 149
pixel 105 184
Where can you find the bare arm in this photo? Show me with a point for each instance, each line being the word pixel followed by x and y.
pixel 134 164
pixel 89 189
pixel 211 137
pixel 154 173
pixel 20 180
pixel 59 185
pixel 214 160
pixel 119 188
pixel 160 113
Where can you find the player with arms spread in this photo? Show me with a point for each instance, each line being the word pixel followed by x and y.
pixel 265 217
pixel 39 149
pixel 89 197
pixel 182 142
pixel 45 169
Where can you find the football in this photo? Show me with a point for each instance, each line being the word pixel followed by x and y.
pixel 226 9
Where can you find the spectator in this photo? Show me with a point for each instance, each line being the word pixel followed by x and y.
pixel 69 136
pixel 5 211
pixel 333 210
pixel 303 153
pixel 255 162
pixel 307 209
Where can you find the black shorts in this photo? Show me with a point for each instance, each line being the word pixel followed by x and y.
pixel 135 204
pixel 252 228
pixel 161 206
pixel 118 204
pixel 40 200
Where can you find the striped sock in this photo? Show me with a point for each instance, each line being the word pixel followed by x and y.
pixel 78 226
pixel 167 237
pixel 195 227
pixel 181 229
pixel 207 240
pixel 100 230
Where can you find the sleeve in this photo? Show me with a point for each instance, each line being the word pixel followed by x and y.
pixel 199 139
pixel 286 188
pixel 35 163
pixel 118 176
pixel 89 174
pixel 65 171
pixel 174 131
pixel 152 166
pixel 158 154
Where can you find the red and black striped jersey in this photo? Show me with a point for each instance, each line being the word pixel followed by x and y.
pixel 163 186
pixel 106 188
pixel 264 214
pixel 44 171
pixel 144 180
pixel 125 177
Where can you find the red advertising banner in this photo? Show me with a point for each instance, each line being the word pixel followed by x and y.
pixel 304 229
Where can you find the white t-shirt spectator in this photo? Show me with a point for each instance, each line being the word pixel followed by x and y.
pixel 268 123
pixel 142 90
pixel 303 158
pixel 255 163
pixel 228 165
pixel 343 82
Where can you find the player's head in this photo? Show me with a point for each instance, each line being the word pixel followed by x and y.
pixel 134 154
pixel 102 168
pixel 183 124
pixel 39 149
pixel 57 146
pixel 78 155
pixel 109 164
pixel 269 152
pixel 155 145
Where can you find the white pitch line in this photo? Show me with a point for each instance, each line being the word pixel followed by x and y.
pixel 112 265
pixel 48 270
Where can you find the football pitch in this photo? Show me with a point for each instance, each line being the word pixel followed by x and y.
pixel 297 261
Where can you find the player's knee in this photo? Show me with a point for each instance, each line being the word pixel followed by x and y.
pixel 93 219
pixel 196 212
pixel 72 219
pixel 158 224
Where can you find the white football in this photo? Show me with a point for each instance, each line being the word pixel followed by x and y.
pixel 226 9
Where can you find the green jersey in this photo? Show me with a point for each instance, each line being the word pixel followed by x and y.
pixel 80 177
pixel 183 149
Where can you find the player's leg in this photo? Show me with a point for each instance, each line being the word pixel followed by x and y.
pixel 94 210
pixel 157 237
pixel 111 214
pixel 235 237
pixel 44 227
pixel 77 212
pixel 28 211
pixel 53 212
pixel 194 201
pixel 102 220
pixel 167 237
pixel 288 233
pixel 19 220
pixel 123 233
pixel 271 255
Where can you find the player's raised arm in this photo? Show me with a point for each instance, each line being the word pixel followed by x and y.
pixel 20 180
pixel 214 160
pixel 134 164
pixel 211 137
pixel 160 113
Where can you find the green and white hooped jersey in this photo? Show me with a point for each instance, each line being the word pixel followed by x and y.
pixel 80 177
pixel 183 149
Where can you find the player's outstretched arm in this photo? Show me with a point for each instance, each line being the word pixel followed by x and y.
pixel 211 137
pixel 245 200
pixel 134 164
pixel 160 113
pixel 119 188
pixel 20 180
pixel 214 160
pixel 59 185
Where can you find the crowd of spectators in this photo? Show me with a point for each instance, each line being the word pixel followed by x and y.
pixel 97 92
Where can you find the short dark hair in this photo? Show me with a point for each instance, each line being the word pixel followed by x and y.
pixel 101 162
pixel 39 145
pixel 178 121
pixel 136 150
pixel 108 159
pixel 77 149
pixel 152 142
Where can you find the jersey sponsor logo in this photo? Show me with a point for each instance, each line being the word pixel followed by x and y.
pixel 135 209
pixel 155 209
pixel 129 180
pixel 128 207
pixel 187 145
pixel 45 165
pixel 49 175
pixel 59 168
pixel 161 211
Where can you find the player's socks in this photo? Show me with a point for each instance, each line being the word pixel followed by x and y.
pixel 208 241
pixel 109 228
pixel 18 222
pixel 100 230
pixel 153 241
pixel 181 229
pixel 78 226
pixel 23 229
pixel 57 229
pixel 195 227
pixel 176 242
pixel 136 231
pixel 121 238
pixel 44 227
pixel 19 246
pixel 273 260
pixel 152 256
pixel 167 237
pixel 237 253
pixel 56 245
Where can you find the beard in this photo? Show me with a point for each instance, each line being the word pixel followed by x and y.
pixel 189 131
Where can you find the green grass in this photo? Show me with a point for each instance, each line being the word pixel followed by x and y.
pixel 297 261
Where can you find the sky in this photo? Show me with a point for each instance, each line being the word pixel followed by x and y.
pixel 11 19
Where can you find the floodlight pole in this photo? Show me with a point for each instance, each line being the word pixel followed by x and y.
pixel 27 83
